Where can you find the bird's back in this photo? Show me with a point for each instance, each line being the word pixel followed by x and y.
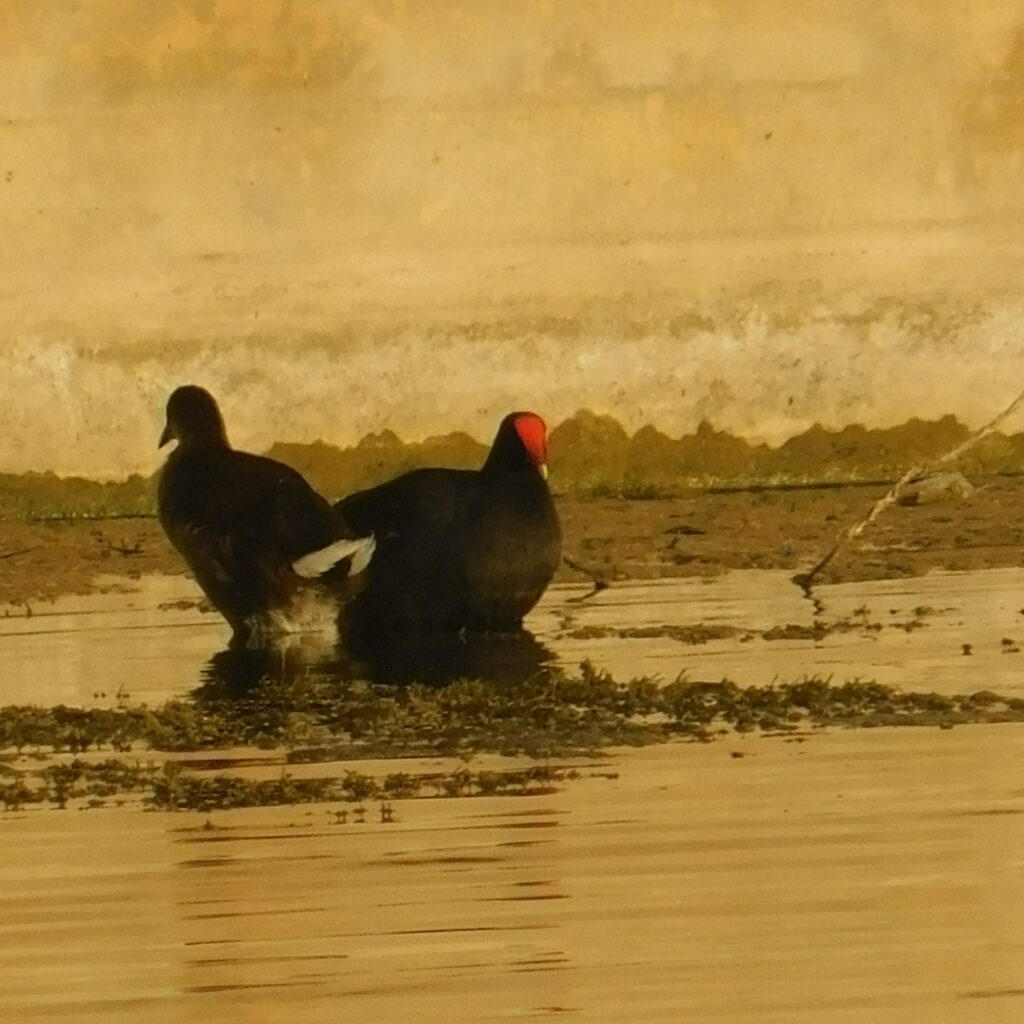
pixel 416 519
pixel 240 521
pixel 247 496
pixel 457 547
pixel 427 500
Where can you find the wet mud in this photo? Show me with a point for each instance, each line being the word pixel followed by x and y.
pixel 611 539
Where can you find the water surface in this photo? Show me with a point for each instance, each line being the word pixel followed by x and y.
pixel 146 639
pixel 867 876
pixel 871 876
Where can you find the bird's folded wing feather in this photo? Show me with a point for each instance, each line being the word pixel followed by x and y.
pixel 426 499
pixel 212 554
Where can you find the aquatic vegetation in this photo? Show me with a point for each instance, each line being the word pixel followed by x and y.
pixel 171 786
pixel 59 783
pixel 550 713
pixel 317 719
pixel 699 633
pixel 176 789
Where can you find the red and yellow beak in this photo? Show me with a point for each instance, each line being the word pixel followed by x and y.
pixel 542 468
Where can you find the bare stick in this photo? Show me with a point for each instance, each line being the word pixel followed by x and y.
pixel 599 582
pixel 20 551
pixel 806 580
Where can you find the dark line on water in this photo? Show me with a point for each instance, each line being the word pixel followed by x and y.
pixel 533 927
pixel 241 961
pixel 202 989
pixel 996 993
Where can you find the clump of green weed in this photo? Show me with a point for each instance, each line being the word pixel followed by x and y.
pixel 317 718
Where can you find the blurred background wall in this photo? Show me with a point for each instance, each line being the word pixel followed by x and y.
pixel 347 215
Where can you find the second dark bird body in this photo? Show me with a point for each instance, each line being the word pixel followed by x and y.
pixel 461 548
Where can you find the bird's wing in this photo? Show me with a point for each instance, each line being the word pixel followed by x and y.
pixel 213 558
pixel 272 506
pixel 427 501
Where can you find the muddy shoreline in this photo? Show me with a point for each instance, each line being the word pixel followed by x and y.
pixel 616 539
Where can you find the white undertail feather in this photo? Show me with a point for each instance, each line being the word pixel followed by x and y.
pixel 361 559
pixel 316 563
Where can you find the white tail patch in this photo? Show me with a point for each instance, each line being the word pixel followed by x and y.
pixel 316 563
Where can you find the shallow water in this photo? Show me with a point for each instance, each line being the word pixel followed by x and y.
pixel 869 876
pixel 866 876
pixel 133 640
pixel 924 620
pixel 84 650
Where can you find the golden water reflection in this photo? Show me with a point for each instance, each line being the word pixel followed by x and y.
pixel 865 876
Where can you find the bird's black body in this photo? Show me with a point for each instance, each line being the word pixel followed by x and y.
pixel 240 521
pixel 460 548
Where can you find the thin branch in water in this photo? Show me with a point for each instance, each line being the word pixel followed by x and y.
pixel 805 581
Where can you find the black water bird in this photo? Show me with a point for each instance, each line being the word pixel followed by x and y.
pixel 268 551
pixel 461 549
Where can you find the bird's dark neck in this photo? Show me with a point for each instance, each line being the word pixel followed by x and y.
pixel 204 441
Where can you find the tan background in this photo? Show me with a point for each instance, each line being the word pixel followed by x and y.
pixel 342 216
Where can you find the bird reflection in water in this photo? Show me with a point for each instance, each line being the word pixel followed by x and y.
pixel 439 657
pixel 394 658
pixel 237 671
